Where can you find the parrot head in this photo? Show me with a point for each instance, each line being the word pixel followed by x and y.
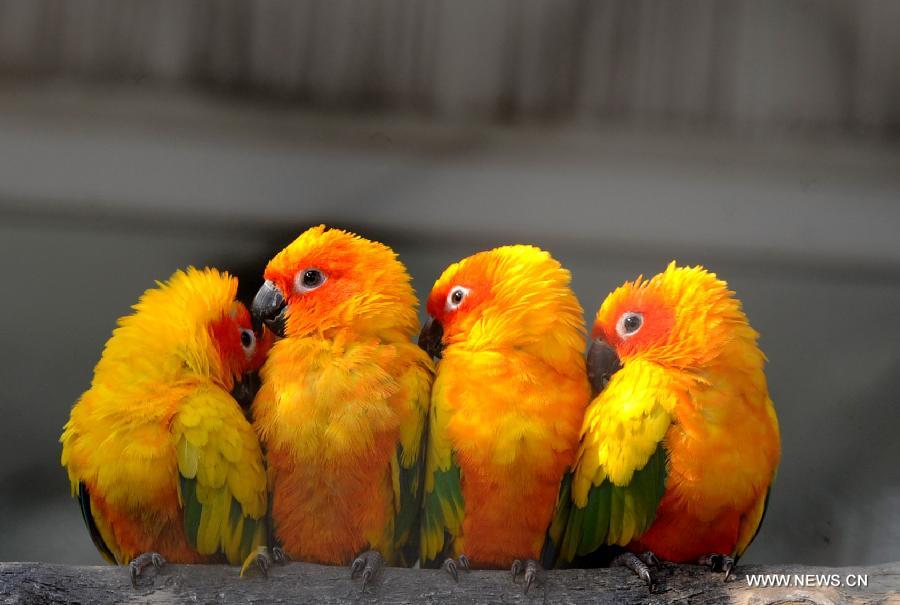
pixel 191 324
pixel 240 350
pixel 329 279
pixel 513 296
pixel 682 318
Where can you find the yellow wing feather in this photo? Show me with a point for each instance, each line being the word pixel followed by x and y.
pixel 623 427
pixel 223 478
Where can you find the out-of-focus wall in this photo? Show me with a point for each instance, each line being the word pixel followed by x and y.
pixel 746 64
pixel 757 138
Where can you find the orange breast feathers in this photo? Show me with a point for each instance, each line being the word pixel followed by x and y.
pixel 344 398
pixel 332 416
pixel 513 423
pixel 723 451
pixel 507 404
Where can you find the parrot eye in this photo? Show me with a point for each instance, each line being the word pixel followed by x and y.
pixel 456 296
pixel 308 280
pixel 248 341
pixel 629 324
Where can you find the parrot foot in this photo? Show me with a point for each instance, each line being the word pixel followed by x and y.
pixel 142 562
pixel 639 565
pixel 532 570
pixel 369 564
pixel 262 559
pixel 718 562
pixel 650 559
pixel 452 566
pixel 279 556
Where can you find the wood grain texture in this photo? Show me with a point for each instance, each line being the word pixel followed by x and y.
pixel 25 583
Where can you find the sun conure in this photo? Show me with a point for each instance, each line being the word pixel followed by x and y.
pixel 343 402
pixel 159 454
pixel 508 400
pixel 680 447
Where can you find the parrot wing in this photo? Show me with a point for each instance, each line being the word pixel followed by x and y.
pixel 612 494
pixel 222 485
pixel 750 524
pixel 442 502
pixel 84 501
pixel 408 463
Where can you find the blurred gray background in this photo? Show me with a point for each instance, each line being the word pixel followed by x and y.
pixel 758 138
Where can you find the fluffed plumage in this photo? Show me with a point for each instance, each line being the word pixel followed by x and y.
pixel 158 452
pixel 679 450
pixel 507 403
pixel 343 401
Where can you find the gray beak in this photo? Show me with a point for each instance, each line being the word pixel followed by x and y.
pixel 268 308
pixel 602 363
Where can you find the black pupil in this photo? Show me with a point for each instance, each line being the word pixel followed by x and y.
pixel 457 297
pixel 632 323
pixel 246 339
pixel 311 278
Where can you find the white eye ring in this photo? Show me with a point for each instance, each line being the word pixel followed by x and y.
pixel 629 324
pixel 248 341
pixel 456 296
pixel 309 279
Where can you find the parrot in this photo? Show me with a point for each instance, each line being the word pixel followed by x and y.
pixel 680 445
pixel 343 402
pixel 159 454
pixel 510 392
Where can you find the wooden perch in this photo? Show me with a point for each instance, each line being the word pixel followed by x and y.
pixel 25 583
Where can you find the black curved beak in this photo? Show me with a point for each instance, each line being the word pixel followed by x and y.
pixel 245 390
pixel 602 363
pixel 268 308
pixel 430 338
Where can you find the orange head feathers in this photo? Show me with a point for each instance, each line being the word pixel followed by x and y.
pixel 683 317
pixel 512 296
pixel 328 279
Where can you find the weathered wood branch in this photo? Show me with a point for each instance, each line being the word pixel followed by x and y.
pixel 25 583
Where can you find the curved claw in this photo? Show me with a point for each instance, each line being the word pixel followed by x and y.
pixel 279 556
pixel 262 563
pixel 464 562
pixel 142 562
pixel 530 577
pixel 532 570
pixel 259 559
pixel 719 562
pixel 449 565
pixel 357 566
pixel 650 559
pixel 728 567
pixel 635 564
pixel 516 569
pixel 368 564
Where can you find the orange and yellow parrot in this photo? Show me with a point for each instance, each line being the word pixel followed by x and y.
pixel 343 403
pixel 159 454
pixel 508 400
pixel 680 447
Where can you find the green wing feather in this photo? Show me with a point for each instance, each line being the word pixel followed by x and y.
pixel 443 507
pixel 409 460
pixel 442 514
pixel 613 514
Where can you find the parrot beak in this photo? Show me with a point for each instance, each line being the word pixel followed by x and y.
pixel 602 363
pixel 430 338
pixel 244 390
pixel 268 308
